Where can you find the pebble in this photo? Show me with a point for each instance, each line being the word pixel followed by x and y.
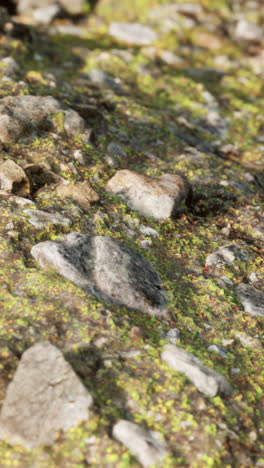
pixel 133 33
pixel 41 219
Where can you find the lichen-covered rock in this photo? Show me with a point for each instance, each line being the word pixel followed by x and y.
pixel 145 445
pixel 13 179
pixel 23 115
pixel 108 269
pixel 80 193
pixel 44 397
pixel 133 33
pixel 206 380
pixel 251 298
pixel 159 198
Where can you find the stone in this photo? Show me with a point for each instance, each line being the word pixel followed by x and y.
pixel 159 198
pixel 148 231
pixel 247 340
pixel 116 150
pixel 11 66
pixel 81 193
pixel 251 298
pixel 248 31
pixel 106 268
pixel 145 445
pixel 73 7
pixel 24 115
pixel 206 380
pixel 40 175
pixel 45 15
pixel 41 219
pixel 226 255
pixel 133 33
pixel 44 397
pixel 13 179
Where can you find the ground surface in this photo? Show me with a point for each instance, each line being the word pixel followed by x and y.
pixel 160 114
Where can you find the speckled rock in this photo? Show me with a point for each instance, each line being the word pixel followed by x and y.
pixel 146 446
pixel 159 198
pixel 80 193
pixel 13 179
pixel 133 33
pixel 24 115
pixel 226 255
pixel 206 380
pixel 41 219
pixel 106 268
pixel 44 397
pixel 251 298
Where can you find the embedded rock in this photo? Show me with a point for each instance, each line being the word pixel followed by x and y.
pixel 206 380
pixel 40 219
pixel 74 7
pixel 251 298
pixel 145 445
pixel 13 179
pixel 133 33
pixel 23 115
pixel 80 193
pixel 44 397
pixel 106 268
pixel 226 255
pixel 159 198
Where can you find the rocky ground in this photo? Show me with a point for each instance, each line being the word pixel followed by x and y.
pixel 131 254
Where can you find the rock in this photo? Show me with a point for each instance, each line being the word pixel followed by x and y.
pixel 11 66
pixel 159 197
pixel 226 255
pixel 133 33
pixel 44 397
pixel 148 231
pixel 251 298
pixel 45 15
pixel 41 219
pixel 105 79
pixel 219 350
pixel 248 31
pixel 145 445
pixel 40 175
pixel 206 380
pixel 80 193
pixel 13 179
pixel 116 150
pixel 74 7
pixel 106 268
pixel 23 115
pixel 247 340
pixel 173 335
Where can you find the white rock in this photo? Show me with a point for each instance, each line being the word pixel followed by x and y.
pixel 251 298
pixel 133 33
pixel 40 219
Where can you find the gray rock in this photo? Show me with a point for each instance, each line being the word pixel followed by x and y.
pixel 219 350
pixel 116 150
pixel 22 115
pixel 73 7
pixel 45 15
pixel 248 31
pixel 145 445
pixel 173 335
pixel 44 397
pixel 148 231
pixel 13 179
pixel 159 198
pixel 105 79
pixel 11 66
pixel 226 255
pixel 206 380
pixel 133 33
pixel 41 219
pixel 251 298
pixel 106 268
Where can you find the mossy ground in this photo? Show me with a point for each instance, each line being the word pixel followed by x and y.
pixel 39 305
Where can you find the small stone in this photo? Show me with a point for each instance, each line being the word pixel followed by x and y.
pixel 78 155
pixel 11 66
pixel 106 268
pixel 219 350
pixel 173 335
pixel 206 380
pixel 146 244
pixel 45 15
pixel 226 255
pixel 247 340
pixel 148 231
pixel 248 31
pixel 13 179
pixel 73 123
pixel 44 397
pixel 251 298
pixel 159 198
pixel 41 219
pixel 81 193
pixel 133 33
pixel 116 150
pixel 170 58
pixel 145 445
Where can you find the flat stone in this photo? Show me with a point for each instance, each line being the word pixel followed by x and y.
pixel 73 7
pixel 40 219
pixel 45 15
pixel 226 255
pixel 159 198
pixel 13 179
pixel 44 397
pixel 81 193
pixel 248 31
pixel 251 298
pixel 145 445
pixel 133 33
pixel 206 380
pixel 106 268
